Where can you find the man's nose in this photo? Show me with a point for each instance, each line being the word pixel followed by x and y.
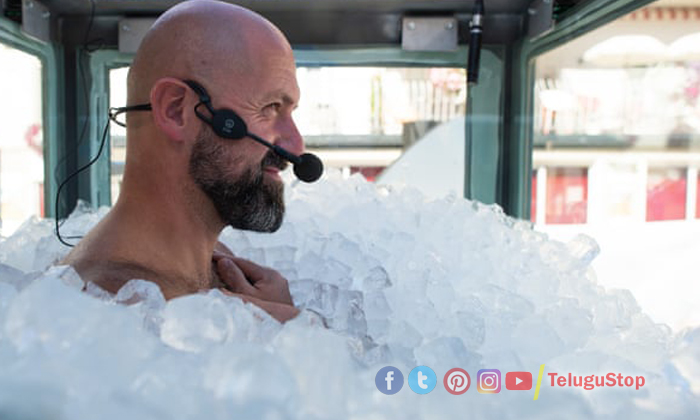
pixel 290 138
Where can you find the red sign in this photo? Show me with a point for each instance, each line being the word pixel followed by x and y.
pixel 518 381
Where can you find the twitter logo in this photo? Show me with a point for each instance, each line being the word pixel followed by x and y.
pixel 422 380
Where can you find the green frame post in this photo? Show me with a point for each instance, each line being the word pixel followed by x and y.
pixel 101 62
pixel 578 21
pixel 485 120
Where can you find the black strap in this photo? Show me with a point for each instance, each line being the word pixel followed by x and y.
pixel 114 112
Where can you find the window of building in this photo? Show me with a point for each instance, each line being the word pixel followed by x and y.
pixel 567 195
pixel 666 194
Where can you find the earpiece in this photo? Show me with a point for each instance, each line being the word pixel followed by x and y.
pixel 224 122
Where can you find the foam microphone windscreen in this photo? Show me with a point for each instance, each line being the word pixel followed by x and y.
pixel 309 168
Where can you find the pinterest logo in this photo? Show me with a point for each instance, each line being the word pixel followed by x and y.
pixel 457 381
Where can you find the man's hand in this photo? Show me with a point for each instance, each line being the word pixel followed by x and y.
pixel 244 277
pixel 279 311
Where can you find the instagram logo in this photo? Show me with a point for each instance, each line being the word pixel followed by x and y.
pixel 456 381
pixel 489 381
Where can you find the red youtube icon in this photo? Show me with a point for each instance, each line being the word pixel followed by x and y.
pixel 518 381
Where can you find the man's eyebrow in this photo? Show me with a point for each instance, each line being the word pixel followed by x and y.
pixel 281 96
pixel 288 100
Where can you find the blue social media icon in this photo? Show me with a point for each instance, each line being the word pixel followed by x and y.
pixel 389 380
pixel 422 380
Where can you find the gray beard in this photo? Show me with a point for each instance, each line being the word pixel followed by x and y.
pixel 247 203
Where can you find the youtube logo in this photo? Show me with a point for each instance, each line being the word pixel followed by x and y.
pixel 518 381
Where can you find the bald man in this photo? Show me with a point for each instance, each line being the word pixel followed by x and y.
pixel 182 183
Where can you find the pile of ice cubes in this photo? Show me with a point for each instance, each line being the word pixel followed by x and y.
pixel 397 279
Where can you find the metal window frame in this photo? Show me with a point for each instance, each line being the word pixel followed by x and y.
pixel 578 21
pixel 101 62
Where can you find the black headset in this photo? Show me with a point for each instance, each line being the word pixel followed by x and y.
pixel 225 122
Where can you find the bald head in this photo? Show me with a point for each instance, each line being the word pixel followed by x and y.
pixel 183 182
pixel 204 40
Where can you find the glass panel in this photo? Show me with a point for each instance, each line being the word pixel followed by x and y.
pixel 533 202
pixel 651 107
pixel 697 197
pixel 117 133
pixel 622 105
pixel 357 119
pixel 364 118
pixel 21 143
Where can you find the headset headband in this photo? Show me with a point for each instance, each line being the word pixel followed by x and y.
pixel 196 87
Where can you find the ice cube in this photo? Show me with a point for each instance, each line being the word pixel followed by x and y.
pixel 278 256
pixel 584 249
pixel 17 278
pixel 196 323
pixel 376 279
pixel 48 251
pixel 147 300
pixel 257 255
pixel 376 305
pixel 340 248
pixel 571 323
pixel 322 298
pixel 19 249
pixel 336 273
pixel 349 316
pixel 444 353
pixel 686 357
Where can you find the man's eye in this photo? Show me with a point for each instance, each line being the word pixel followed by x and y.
pixel 273 108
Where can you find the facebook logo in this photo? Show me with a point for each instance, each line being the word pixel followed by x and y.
pixel 422 380
pixel 389 380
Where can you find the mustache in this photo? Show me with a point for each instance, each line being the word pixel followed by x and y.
pixel 272 159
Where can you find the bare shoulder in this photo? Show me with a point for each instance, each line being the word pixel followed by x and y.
pixel 111 275
pixel 96 260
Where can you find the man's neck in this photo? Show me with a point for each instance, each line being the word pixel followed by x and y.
pixel 164 234
pixel 170 234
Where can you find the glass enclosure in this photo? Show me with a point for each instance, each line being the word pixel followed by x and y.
pixel 21 142
pixel 617 150
pixel 615 128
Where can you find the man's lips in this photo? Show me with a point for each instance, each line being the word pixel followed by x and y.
pixel 272 170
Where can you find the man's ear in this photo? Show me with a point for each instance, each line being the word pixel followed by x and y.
pixel 170 108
